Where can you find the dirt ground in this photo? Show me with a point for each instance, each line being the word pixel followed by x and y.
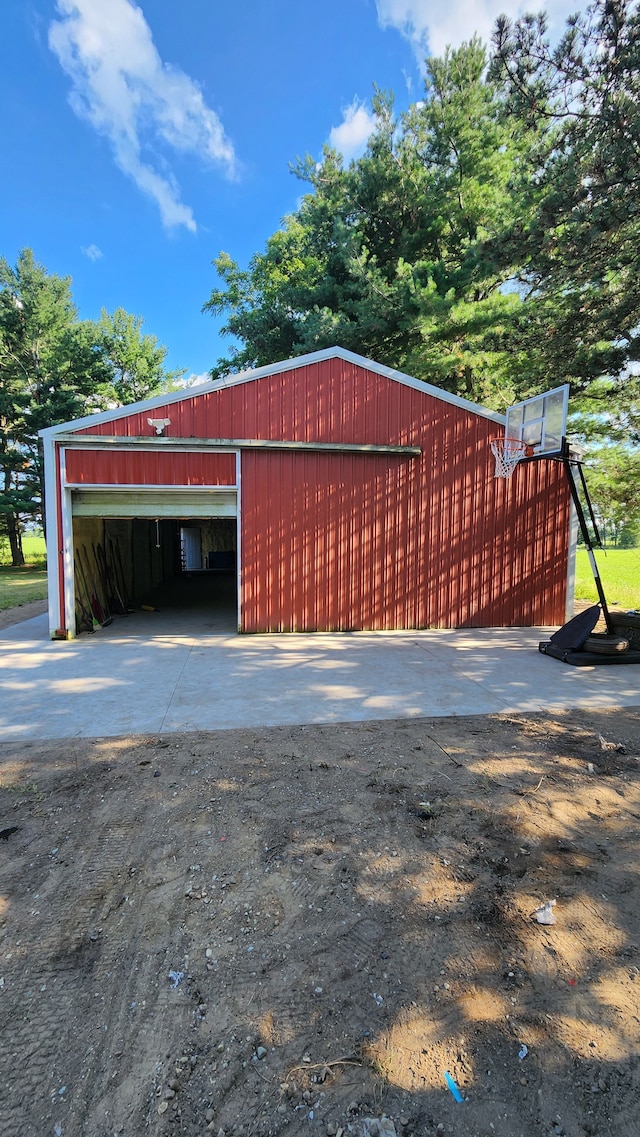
pixel 300 930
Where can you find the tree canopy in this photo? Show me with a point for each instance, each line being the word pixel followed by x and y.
pixel 614 484
pixel 577 242
pixel 388 256
pixel 135 360
pixel 53 368
pixel 487 241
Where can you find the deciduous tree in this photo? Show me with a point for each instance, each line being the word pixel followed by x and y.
pixel 48 368
pixel 53 368
pixel 135 359
pixel 614 484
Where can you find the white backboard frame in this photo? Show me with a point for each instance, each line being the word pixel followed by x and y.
pixel 540 422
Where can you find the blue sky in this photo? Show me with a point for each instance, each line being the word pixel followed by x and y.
pixel 139 140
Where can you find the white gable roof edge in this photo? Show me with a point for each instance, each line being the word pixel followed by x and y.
pixel 422 385
pixel 272 369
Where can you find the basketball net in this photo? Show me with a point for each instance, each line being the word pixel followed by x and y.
pixel 507 453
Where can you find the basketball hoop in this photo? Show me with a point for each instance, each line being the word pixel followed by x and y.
pixel 507 453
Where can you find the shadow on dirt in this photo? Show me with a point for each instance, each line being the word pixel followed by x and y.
pixel 351 910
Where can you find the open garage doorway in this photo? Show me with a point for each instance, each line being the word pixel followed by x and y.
pixel 170 576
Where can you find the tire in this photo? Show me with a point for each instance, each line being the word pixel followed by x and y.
pixel 605 645
pixel 629 619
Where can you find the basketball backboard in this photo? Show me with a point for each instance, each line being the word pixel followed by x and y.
pixel 540 422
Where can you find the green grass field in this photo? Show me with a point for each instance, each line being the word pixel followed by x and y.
pixel 34 549
pixel 22 585
pixel 620 574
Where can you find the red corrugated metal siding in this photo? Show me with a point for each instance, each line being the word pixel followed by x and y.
pixel 149 468
pixel 375 541
pixel 333 401
pixel 355 541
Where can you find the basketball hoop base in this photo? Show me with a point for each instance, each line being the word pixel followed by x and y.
pixel 588 658
pixel 573 643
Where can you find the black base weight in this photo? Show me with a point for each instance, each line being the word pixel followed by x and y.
pixel 587 658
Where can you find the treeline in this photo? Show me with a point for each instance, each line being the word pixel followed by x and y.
pixel 55 367
pixel 488 241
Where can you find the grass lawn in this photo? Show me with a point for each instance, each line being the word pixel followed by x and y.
pixel 620 574
pixel 22 585
pixel 34 549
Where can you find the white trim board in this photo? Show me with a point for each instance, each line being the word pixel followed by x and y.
pixel 107 487
pixel 114 501
pixel 51 491
pixel 239 537
pixel 120 444
pixel 275 369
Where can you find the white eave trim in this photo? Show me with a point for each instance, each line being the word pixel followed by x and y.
pixel 275 369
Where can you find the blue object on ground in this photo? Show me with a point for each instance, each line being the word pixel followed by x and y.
pixel 452 1086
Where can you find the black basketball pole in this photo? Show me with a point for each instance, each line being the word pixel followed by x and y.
pixel 587 498
pixel 584 529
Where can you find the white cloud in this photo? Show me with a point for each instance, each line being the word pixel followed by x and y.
pixel 432 25
pixel 93 252
pixel 351 136
pixel 125 90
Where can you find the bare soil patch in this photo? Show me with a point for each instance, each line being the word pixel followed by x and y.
pixel 347 912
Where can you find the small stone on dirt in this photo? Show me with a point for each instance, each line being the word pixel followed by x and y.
pixel 163 1107
pixel 377 1127
pixel 261 1052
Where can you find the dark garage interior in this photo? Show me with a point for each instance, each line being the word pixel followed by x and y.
pixel 181 569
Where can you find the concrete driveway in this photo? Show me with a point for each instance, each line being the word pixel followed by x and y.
pixel 134 678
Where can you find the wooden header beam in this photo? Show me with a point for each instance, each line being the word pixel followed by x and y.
pixel 90 441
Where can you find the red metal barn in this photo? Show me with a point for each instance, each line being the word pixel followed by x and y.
pixel 344 494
